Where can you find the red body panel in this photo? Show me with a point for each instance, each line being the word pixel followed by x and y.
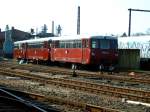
pixel 103 56
pixel 17 54
pixel 74 55
pixel 38 53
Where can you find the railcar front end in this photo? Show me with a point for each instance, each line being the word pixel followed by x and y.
pixel 104 52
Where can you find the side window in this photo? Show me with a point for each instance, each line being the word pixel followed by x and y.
pixel 94 44
pixel 45 44
pixel 56 44
pixel 67 44
pixel 70 44
pixel 61 44
pixel 74 43
pixel 16 46
pixel 78 44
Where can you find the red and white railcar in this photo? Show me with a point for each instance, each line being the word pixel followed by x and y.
pixel 33 49
pixel 87 50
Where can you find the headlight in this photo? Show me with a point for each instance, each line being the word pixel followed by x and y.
pixel 93 54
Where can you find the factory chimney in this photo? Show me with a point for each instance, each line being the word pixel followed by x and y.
pixel 78 21
pixel 53 27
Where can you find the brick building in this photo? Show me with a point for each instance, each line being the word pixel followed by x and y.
pixel 16 36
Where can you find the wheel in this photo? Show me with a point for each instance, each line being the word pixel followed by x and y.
pixel 21 61
pixel 74 67
pixel 101 67
pixel 111 68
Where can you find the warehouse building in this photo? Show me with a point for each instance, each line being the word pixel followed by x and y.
pixel 16 35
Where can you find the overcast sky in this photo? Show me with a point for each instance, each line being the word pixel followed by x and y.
pixel 97 16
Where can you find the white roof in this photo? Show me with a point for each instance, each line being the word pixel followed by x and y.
pixel 63 38
pixel 140 39
pixel 33 40
pixel 136 42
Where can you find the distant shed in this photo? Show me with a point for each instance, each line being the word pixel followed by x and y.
pixel 129 58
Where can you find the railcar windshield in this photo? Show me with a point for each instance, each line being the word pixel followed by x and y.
pixel 104 44
pixel 114 44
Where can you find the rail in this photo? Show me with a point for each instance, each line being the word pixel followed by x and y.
pixel 107 76
pixel 131 94
pixel 16 102
pixel 58 100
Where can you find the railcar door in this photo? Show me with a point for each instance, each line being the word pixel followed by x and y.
pixel 45 50
pixel 49 49
pixel 24 50
pixel 54 49
pixel 85 51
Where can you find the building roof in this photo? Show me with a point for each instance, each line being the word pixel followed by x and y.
pixel 16 35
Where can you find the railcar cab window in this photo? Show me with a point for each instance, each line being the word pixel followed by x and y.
pixel 104 44
pixel 114 44
pixel 100 43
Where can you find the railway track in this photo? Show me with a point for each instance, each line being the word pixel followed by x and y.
pixel 9 102
pixel 45 69
pixel 131 94
pixel 57 100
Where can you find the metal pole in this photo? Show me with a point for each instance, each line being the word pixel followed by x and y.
pixel 129 30
pixel 53 27
pixel 78 21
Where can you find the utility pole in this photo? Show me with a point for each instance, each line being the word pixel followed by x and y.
pixel 129 32
pixel 130 10
pixel 78 21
